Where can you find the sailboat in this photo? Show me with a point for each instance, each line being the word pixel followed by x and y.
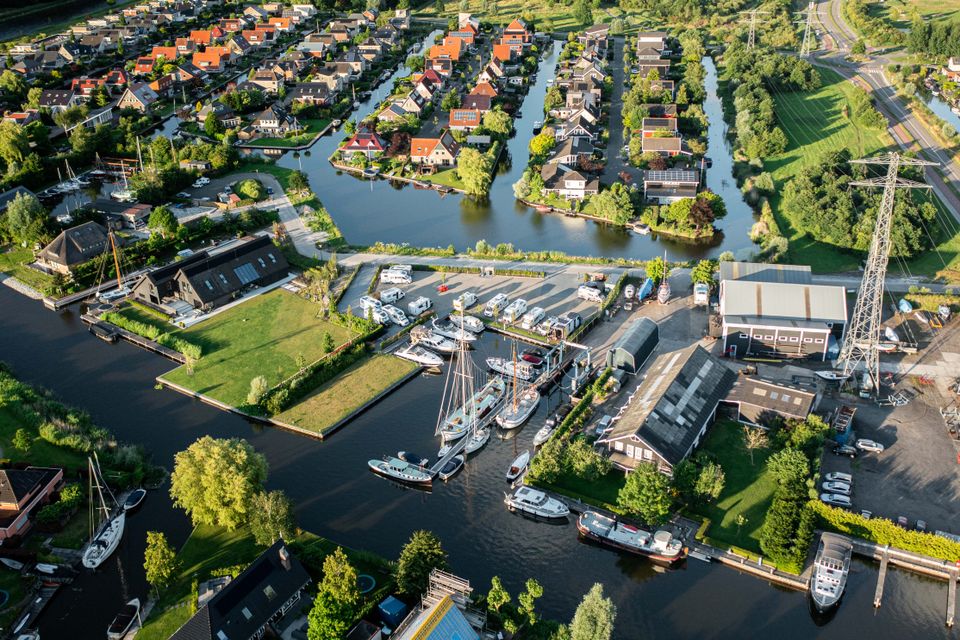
pixel 463 408
pixel 104 536
pixel 125 194
pixel 524 403
pixel 663 293
pixel 122 290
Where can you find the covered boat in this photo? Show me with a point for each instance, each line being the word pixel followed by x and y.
pixel 830 569
pixel 660 546
pixel 469 323
pixel 420 355
pixel 124 620
pixel 451 468
pixel 433 341
pixel 523 370
pixel 401 471
pixel 535 503
pixel 453 332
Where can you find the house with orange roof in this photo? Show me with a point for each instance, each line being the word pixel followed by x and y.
pixel 484 88
pixel 430 76
pixel 231 25
pixel 465 119
pixel 255 37
pixel 436 152
pixel 168 53
pixel 86 86
pixel 465 32
pixel 202 36
pixel 450 49
pixel 502 52
pixel 213 60
pixel 518 28
pixel 144 65
pixel 281 24
pixel 185 46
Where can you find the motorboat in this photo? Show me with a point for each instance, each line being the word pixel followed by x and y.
pixel 124 620
pixel 518 466
pixel 904 306
pixel 453 332
pixel 433 341
pixel 543 435
pixel 412 458
pixel 109 531
pixel 891 335
pixel 134 499
pixel 921 316
pixel 535 503
pixel 832 376
pixel 451 468
pixel 469 323
pixel 401 471
pixel 476 441
pixel 478 407
pixel 124 195
pixel 830 569
pixel 642 228
pixel 516 413
pixel 661 546
pixel 420 355
pixel 533 356
pixel 522 370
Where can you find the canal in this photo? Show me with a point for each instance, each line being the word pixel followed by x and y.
pixel 336 496
pixel 368 212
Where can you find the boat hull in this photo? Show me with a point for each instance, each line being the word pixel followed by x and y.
pixel 105 543
pixel 613 544
pixel 384 472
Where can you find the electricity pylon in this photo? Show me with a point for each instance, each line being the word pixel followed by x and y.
pixel 808 38
pixel 862 338
pixel 752 37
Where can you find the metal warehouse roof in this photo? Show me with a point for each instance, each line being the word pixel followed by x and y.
pixel 762 272
pixel 823 303
pixel 636 344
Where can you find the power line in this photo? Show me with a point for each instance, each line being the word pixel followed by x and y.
pixel 752 36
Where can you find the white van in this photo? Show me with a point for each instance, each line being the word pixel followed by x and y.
pixel 464 301
pixel 389 276
pixel 532 318
pixel 391 295
pixel 589 293
pixel 406 268
pixel 419 305
pixel 701 294
pixel 495 305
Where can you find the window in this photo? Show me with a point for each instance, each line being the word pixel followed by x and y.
pixel 245 273
pixel 269 592
pixel 647 454
pixel 818 341
pixel 768 337
pixel 246 613
pixel 629 450
pixel 209 286
pixel 794 339
pixel 272 259
pixel 744 336
pixel 807 340
pixel 223 278
pixel 262 263
pixel 783 338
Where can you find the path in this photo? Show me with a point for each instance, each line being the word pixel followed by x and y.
pixel 616 161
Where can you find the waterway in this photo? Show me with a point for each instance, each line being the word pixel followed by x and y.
pixel 368 212
pixel 940 107
pixel 336 496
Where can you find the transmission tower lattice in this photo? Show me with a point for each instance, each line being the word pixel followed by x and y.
pixel 862 339
pixel 752 36
pixel 808 38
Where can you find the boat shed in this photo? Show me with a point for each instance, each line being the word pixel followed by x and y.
pixel 761 402
pixel 633 348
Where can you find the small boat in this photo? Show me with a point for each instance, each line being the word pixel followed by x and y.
pixel 477 440
pixel 830 569
pixel 702 557
pixel 645 289
pixel 904 306
pixel 660 546
pixel 469 323
pixel 444 450
pixel 479 406
pixel 532 355
pixel 832 376
pixel 12 564
pixel 451 468
pixel 956 110
pixel 886 347
pixel 412 458
pixel 337 123
pixel 542 435
pixel 370 172
pixel 523 370
pixel 134 499
pixel 518 466
pixel 432 341
pixel 537 126
pixel 535 503
pixel 520 410
pixel 453 332
pixel 642 229
pixel 922 317
pixel 891 335
pixel 401 471
pixel 124 620
pixel 663 293
pixel 420 355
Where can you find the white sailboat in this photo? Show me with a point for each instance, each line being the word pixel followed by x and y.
pixel 106 530
pixel 523 404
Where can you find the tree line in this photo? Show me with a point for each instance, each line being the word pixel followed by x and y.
pixel 936 38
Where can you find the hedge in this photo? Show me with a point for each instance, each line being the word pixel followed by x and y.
pixel 885 532
pixel 282 396
pixel 152 332
pixel 932 301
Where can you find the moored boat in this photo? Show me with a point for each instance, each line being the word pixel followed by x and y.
pixel 518 466
pixel 660 546
pixel 542 435
pixel 396 469
pixel 134 499
pixel 522 370
pixel 108 533
pixel 832 376
pixel 519 411
pixel 470 323
pixel 420 355
pixel 478 407
pixel 432 341
pixel 535 503
pixel 453 332
pixel 412 458
pixel 124 620
pixel 476 441
pixel 451 468
pixel 663 293
pixel 830 569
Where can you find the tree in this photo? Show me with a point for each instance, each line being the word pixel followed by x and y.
pixel 22 440
pixel 703 272
pixel 214 480
pixel 422 554
pixel 163 221
pixel 594 617
pixel 251 190
pixel 710 481
pixel 12 84
pixel 656 269
pixel 212 126
pixel 258 389
pixel 473 168
pixel 614 204
pixel 585 462
pixel 14 143
pixel 271 517
pixel 498 122
pixel 497 596
pixel 415 63
pixel 542 143
pixel 789 467
pixel 327 343
pixel 859 48
pixel 298 181
pixel 159 560
pixel 33 98
pixel 646 494
pixel 754 438
pixel 582 12
pixel 337 601
pixel 25 218
pixel 527 600
pixel 450 101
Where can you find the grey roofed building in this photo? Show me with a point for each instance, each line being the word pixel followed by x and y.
pixel 786 301
pixel 634 346
pixel 659 124
pixel 670 185
pixel 763 272
pixel 160 284
pixel 7 196
pixel 660 110
pixel 245 608
pixel 669 411
pixel 759 401
pixel 666 146
pixel 74 246
pixel 571 150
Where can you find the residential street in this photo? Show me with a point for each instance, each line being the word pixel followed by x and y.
pixel 616 162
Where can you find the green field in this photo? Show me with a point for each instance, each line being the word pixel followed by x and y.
pixel 349 391
pixel 262 336
pixel 14 261
pixel 748 490
pixel 557 17
pixel 899 13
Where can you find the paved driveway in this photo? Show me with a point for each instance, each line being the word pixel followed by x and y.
pixel 616 162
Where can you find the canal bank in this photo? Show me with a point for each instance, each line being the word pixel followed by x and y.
pixel 338 498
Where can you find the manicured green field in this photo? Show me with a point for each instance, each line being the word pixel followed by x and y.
pixel 14 261
pixel 558 17
pixel 899 13
pixel 748 491
pixel 263 336
pixel 349 391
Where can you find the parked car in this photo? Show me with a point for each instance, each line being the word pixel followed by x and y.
pixel 845 450
pixel 201 182
pixel 902 521
pixel 419 305
pixel 464 301
pixel 603 426
pixel 408 268
pixel 391 295
pixel 391 276
pixel 397 317
pixel 869 445
pixel 839 476
pixel 701 294
pixel 514 311
pixel 866 514
pixel 836 487
pixel 836 500
pixel 921 525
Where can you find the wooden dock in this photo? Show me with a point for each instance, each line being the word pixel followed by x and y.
pixel 110 332
pixel 952 597
pixel 884 562
pixel 461 443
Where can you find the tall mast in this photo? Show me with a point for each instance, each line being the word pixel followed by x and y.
pixel 514 349
pixel 116 259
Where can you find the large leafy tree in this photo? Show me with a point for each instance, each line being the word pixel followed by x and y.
pixel 474 168
pixel 498 122
pixel 703 272
pixel 159 560
pixel 422 554
pixel 271 517
pixel 163 221
pixel 614 204
pixel 215 479
pixel 594 617
pixel 14 143
pixel 497 596
pixel 25 218
pixel 337 600
pixel 646 494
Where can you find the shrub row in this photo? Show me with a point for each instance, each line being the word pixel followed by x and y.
pixel 155 333
pixel 287 393
pixel 74 437
pixel 70 498
pixel 931 301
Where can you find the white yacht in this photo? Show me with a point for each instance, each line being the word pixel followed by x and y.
pixel 523 370
pixel 535 503
pixel 477 439
pixel 479 405
pixel 660 546
pixel 397 469
pixel 433 341
pixel 830 569
pixel 420 355
pixel 109 531
pixel 453 332
pixel 470 323
pixel 543 435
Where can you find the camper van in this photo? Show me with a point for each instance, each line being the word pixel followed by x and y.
pixel 701 294
pixel 495 305
pixel 390 276
pixel 391 295
pixel 419 305
pixel 514 311
pixel 592 294
pixel 464 301
pixel 532 318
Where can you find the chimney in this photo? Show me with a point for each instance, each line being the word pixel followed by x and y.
pixel 285 558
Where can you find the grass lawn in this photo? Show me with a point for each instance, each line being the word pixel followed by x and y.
pixel 14 261
pixel 350 390
pixel 77 530
pixel 447 177
pixel 748 491
pixel 263 336
pixel 41 452
pixel 899 13
pixel 556 17
pixel 313 127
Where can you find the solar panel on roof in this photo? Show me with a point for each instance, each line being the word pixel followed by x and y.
pixel 246 273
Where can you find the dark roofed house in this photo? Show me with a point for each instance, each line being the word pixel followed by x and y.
pixel 57 99
pixel 22 491
pixel 567 182
pixel 670 185
pixel 245 608
pixel 662 146
pixel 634 346
pixel 74 246
pixel 217 279
pixel 156 286
pixel 479 102
pixel 660 110
pixel 760 402
pixel 670 410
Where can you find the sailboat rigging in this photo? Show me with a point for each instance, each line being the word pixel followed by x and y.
pixel 524 402
pixel 106 530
